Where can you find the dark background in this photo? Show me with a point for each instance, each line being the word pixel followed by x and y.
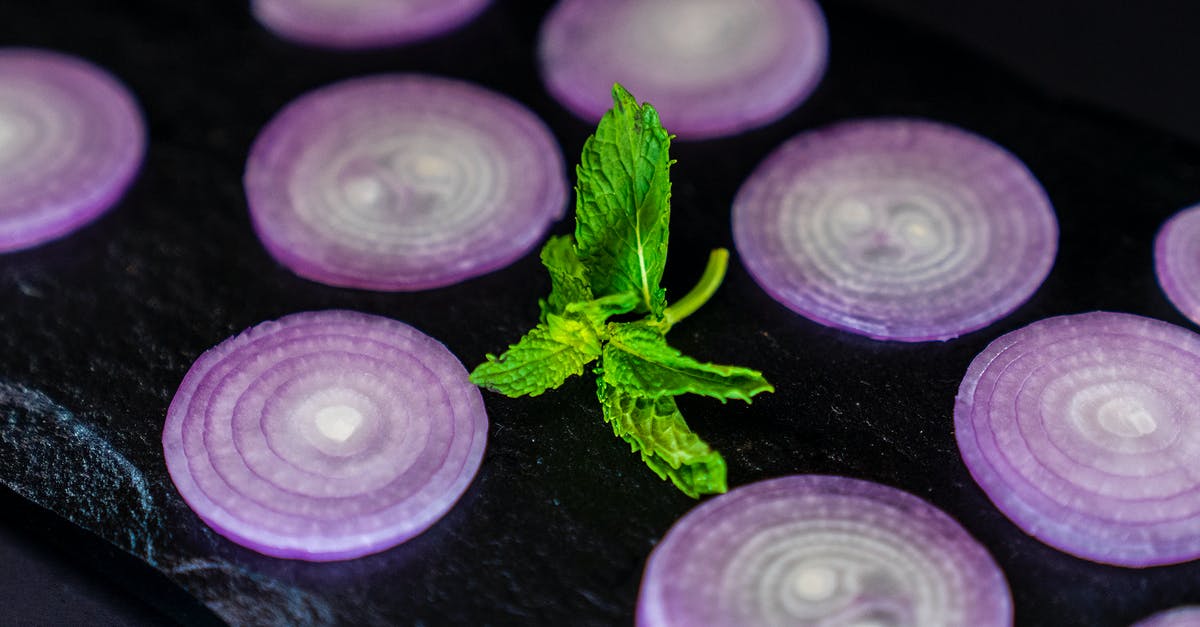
pixel 1099 98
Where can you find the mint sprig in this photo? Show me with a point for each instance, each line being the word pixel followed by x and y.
pixel 611 266
pixel 623 203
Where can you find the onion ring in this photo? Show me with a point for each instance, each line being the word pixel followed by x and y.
pixel 71 141
pixel 403 182
pixel 1085 431
pixel 896 229
pixel 324 435
pixel 1177 261
pixel 358 24
pixel 821 550
pixel 1186 616
pixel 710 67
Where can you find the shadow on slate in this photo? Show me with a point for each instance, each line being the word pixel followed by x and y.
pixel 99 328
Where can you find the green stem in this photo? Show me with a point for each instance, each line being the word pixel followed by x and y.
pixel 714 273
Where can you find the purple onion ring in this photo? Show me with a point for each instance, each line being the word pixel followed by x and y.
pixel 821 550
pixel 1186 616
pixel 896 229
pixel 1085 431
pixel 71 141
pixel 403 182
pixel 324 435
pixel 356 24
pixel 710 67
pixel 1177 261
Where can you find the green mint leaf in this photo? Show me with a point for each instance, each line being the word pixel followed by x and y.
pixel 553 350
pixel 598 311
pixel 655 428
pixel 543 359
pixel 637 357
pixel 568 279
pixel 622 208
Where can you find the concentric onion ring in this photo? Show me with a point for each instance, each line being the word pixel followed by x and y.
pixel 354 24
pixel 1177 261
pixel 1085 431
pixel 710 67
pixel 1187 616
pixel 896 229
pixel 403 182
pixel 71 140
pixel 820 550
pixel 324 435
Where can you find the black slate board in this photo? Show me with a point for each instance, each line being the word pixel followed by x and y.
pixel 98 329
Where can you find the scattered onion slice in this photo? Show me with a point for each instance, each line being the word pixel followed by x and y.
pixel 403 182
pixel 1085 431
pixel 71 140
pixel 710 67
pixel 324 435
pixel 1187 616
pixel 356 24
pixel 820 550
pixel 897 229
pixel 1177 261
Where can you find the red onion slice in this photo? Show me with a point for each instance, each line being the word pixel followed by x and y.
pixel 1177 261
pixel 711 67
pixel 820 550
pixel 1187 616
pixel 324 435
pixel 403 182
pixel 1085 431
pixel 71 140
pixel 356 24
pixel 896 229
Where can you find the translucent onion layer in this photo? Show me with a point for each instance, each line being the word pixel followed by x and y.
pixel 1177 261
pixel 896 229
pixel 1085 431
pixel 403 182
pixel 356 24
pixel 71 140
pixel 821 550
pixel 710 67
pixel 324 435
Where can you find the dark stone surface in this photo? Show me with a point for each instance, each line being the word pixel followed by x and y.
pixel 97 330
